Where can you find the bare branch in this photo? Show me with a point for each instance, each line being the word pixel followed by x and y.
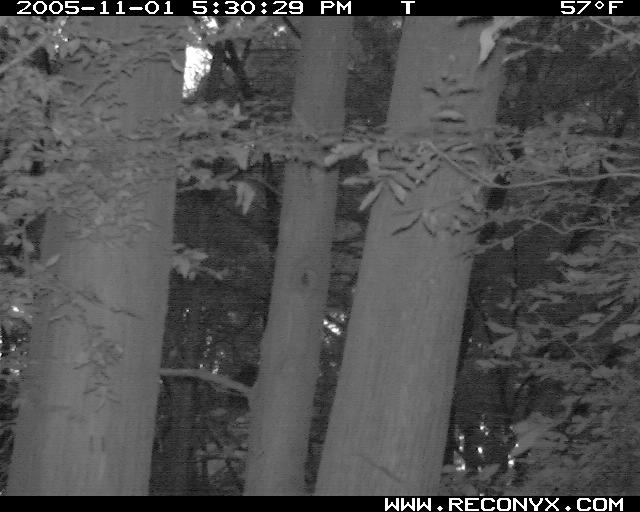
pixel 292 27
pixel 207 376
pixel 24 54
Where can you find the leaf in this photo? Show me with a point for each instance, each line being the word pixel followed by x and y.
pixel 52 260
pixel 602 372
pixel 585 330
pixel 356 180
pixel 81 359
pixel 187 261
pixel 486 364
pixel 490 35
pixel 507 243
pixel 176 66
pixel 449 115
pixel 515 55
pixel 605 302
pixel 504 346
pixel 244 195
pixel 625 331
pixel 469 200
pixel 370 197
pixel 487 472
pixel 609 167
pixel 463 19
pixel 430 221
pixel 342 152
pixel 370 156
pixel 72 46
pixel 528 439
pixel 497 328
pixel 398 191
pixel 449 469
pixel 487 42
pixel 577 275
pixel 592 318
pixel 241 155
pixel 408 223
pixel 404 180
pixel 332 159
pixel 468 489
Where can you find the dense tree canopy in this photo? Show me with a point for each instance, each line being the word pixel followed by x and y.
pixel 546 393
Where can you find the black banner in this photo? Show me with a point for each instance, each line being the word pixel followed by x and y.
pixel 305 7
pixel 507 504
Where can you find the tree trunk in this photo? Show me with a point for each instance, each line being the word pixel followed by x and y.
pixel 86 420
pixel 389 420
pixel 180 439
pixel 283 405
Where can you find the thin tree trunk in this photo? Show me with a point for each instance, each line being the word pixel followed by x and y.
pixel 283 405
pixel 80 432
pixel 389 420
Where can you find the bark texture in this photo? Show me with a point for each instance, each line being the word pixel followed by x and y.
pixel 283 404
pixel 86 420
pixel 389 419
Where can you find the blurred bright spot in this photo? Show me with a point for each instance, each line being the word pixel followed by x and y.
pixel 197 64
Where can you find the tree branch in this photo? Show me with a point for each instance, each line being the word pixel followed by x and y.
pixel 207 376
pixel 24 54
pixel 291 27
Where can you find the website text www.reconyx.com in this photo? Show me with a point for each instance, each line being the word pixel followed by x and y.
pixel 504 504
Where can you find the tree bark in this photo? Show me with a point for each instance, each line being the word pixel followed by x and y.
pixel 389 419
pixel 78 434
pixel 283 404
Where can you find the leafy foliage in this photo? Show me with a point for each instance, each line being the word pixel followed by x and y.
pixel 565 335
pixel 563 322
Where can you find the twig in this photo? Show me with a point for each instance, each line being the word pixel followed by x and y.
pixel 528 184
pixel 25 54
pixel 611 28
pixel 291 27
